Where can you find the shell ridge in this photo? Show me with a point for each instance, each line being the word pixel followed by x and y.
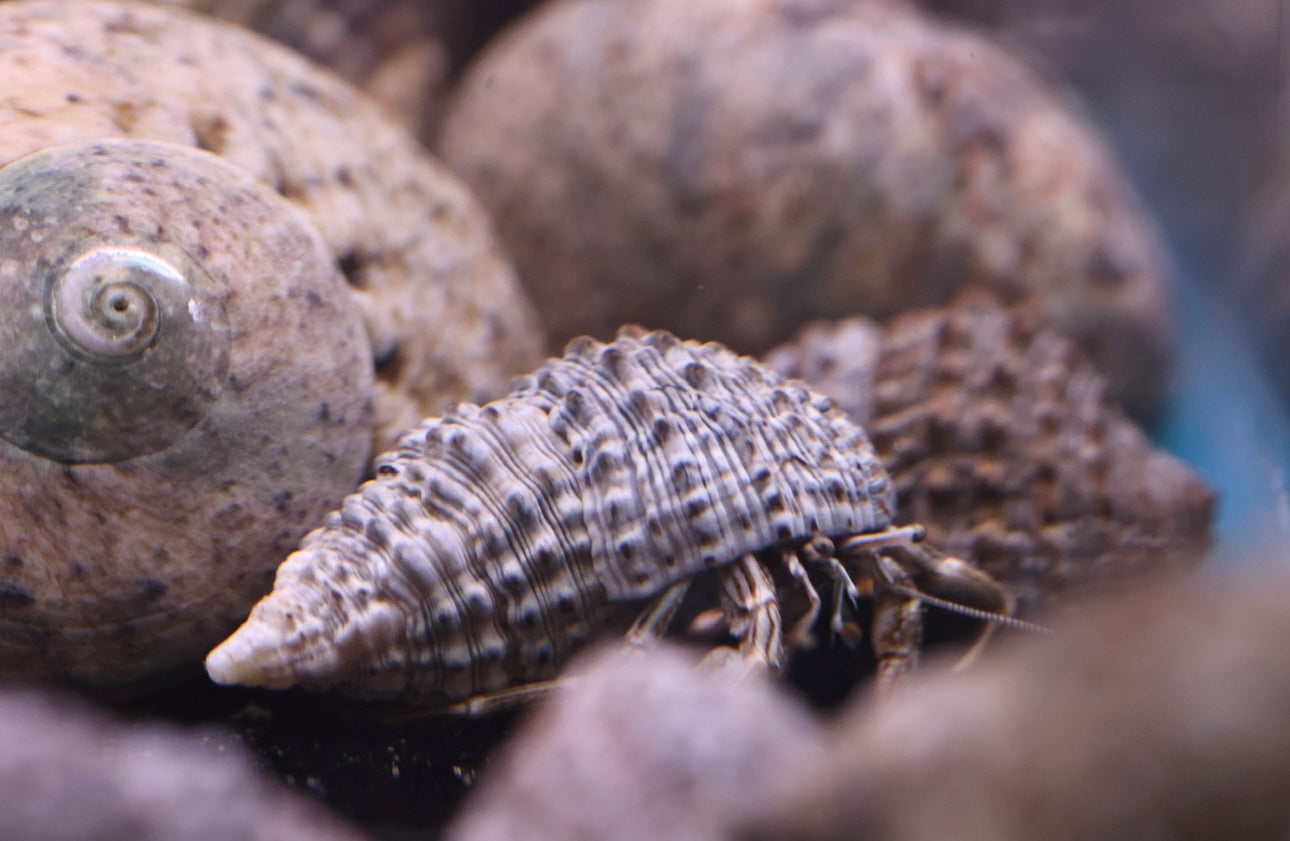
pixel 646 465
pixel 456 571
pixel 520 537
pixel 683 400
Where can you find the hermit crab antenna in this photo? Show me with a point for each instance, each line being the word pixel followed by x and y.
pixel 1002 619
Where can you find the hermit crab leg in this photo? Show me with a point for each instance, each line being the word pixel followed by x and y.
pixel 486 703
pixel 651 624
pixel 897 622
pixel 801 635
pixel 752 609
pixel 819 553
pixel 893 536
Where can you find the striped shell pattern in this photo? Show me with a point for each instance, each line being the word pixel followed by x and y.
pixel 493 540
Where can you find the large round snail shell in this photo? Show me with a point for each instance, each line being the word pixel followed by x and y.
pixel 443 309
pixel 185 389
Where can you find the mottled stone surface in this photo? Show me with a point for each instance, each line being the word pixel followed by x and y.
pixel 443 311
pixel 1000 438
pixel 405 53
pixel 1161 715
pixel 733 169
pixel 68 773
pixel 643 744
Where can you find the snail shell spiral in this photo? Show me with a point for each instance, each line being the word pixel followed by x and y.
pixel 118 346
pixel 184 389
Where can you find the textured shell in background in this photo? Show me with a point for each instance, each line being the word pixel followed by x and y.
pixel 68 773
pixel 494 539
pixel 999 437
pixel 736 168
pixel 152 476
pixel 445 315
pixel 405 53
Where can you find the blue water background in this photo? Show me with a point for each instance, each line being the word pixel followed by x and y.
pixel 1225 419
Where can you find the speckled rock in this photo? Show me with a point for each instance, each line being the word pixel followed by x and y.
pixel 444 313
pixel 1000 438
pixel 643 745
pixel 1162 715
pixel 68 773
pixel 1170 81
pixel 405 53
pixel 734 169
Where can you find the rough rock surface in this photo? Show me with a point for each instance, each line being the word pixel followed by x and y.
pixel 405 53
pixel 68 773
pixel 1001 439
pixel 643 744
pixel 881 161
pixel 446 318
pixel 1160 715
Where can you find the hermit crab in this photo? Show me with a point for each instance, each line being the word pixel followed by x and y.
pixel 495 540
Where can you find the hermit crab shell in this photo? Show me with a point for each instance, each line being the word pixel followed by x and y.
pixel 184 390
pixel 494 539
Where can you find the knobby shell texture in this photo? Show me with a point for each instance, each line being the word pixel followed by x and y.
pixel 1000 438
pixel 494 539
pixel 147 493
pixel 443 311
pixel 736 168
pixel 67 773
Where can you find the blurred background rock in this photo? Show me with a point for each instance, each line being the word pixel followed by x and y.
pixel 1192 96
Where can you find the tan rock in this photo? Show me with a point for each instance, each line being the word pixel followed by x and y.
pixel 68 773
pixel 733 169
pixel 642 745
pixel 1160 715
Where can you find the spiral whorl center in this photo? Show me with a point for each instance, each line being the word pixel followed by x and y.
pixel 105 304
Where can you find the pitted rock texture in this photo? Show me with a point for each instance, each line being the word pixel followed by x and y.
pixel 736 168
pixel 444 313
pixel 645 744
pixel 405 53
pixel 1000 438
pixel 1161 714
pixel 68 773
pixel 494 539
